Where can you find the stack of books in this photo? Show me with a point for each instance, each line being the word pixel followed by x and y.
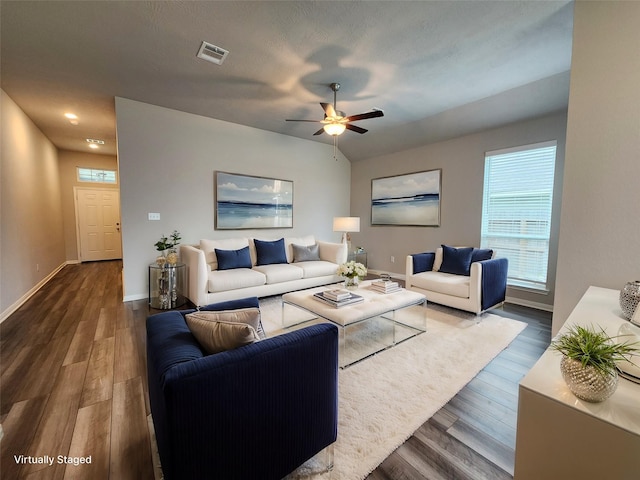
pixel 338 297
pixel 385 286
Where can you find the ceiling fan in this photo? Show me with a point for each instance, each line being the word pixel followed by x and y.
pixel 335 121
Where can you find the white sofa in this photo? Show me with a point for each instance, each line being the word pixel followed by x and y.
pixel 482 288
pixel 207 284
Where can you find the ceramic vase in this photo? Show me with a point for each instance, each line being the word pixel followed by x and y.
pixel 587 383
pixel 629 298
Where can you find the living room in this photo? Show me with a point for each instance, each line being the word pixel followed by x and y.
pixel 167 159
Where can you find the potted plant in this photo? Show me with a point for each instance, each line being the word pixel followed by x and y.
pixel 352 272
pixel 168 243
pixel 589 359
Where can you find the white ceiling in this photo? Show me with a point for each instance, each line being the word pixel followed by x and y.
pixel 437 69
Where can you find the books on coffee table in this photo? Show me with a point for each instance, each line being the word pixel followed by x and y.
pixel 350 300
pixel 337 294
pixel 387 286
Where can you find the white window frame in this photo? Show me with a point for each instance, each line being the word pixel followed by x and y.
pixel 96 174
pixel 521 236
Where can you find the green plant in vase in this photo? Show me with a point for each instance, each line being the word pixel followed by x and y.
pixel 589 359
pixel 166 245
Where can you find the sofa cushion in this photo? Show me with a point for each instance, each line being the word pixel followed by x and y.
pixel 305 253
pixel 270 252
pixel 220 331
pixel 249 315
pixel 456 260
pixel 279 272
pixel 446 283
pixel 319 268
pixel 423 262
pixel 481 254
pixel 229 259
pixel 290 241
pixel 223 280
pixel 209 248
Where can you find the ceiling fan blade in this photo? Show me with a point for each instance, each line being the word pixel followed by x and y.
pixel 328 109
pixel 319 131
pixel 356 129
pixel 364 116
pixel 296 120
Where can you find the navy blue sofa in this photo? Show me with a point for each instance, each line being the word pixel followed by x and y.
pixel 256 412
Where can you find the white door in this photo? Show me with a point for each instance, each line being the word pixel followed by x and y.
pixel 98 224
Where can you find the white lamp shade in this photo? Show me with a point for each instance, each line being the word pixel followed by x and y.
pixel 346 224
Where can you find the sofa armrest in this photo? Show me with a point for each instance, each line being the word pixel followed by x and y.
pixel 333 252
pixel 197 280
pixel 258 411
pixel 494 281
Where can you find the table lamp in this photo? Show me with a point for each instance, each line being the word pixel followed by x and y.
pixel 346 225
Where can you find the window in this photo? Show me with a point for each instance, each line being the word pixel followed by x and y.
pixel 516 210
pixel 96 175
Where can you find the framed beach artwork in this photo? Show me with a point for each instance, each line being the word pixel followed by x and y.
pixel 411 200
pixel 244 201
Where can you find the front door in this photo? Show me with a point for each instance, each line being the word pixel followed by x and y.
pixel 98 219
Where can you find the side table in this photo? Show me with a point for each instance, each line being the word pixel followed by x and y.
pixel 166 286
pixel 358 256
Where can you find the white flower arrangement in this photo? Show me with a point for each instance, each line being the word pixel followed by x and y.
pixel 352 269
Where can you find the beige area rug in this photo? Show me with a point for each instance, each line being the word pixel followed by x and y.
pixel 385 398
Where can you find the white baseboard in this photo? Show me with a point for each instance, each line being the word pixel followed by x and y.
pixel 17 304
pixel 528 303
pixel 137 296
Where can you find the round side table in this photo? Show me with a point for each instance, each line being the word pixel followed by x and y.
pixel 166 286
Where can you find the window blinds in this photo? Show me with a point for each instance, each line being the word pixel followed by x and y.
pixel 516 210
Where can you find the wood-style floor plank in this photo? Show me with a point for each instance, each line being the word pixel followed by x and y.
pixel 98 382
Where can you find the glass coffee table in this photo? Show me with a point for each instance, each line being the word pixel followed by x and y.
pixel 379 322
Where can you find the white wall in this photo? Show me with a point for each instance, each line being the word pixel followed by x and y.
pixel 167 161
pixel 462 163
pixel 31 237
pixel 600 224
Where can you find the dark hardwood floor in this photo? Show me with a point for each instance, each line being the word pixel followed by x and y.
pixel 73 383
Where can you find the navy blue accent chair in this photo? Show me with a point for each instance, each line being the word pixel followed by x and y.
pixel 255 412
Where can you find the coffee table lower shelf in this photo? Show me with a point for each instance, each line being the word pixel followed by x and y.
pixel 363 337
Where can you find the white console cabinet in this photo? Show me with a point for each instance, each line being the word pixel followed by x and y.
pixel 561 437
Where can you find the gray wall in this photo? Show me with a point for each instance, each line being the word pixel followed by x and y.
pixel 600 224
pixel 462 164
pixel 31 236
pixel 167 161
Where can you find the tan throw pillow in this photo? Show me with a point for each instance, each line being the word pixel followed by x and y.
pixel 226 330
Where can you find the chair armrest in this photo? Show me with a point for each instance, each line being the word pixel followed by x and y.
pixel 196 263
pixel 493 281
pixel 249 302
pixel 254 412
pixel 333 252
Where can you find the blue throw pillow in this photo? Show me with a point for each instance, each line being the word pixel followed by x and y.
pixel 228 259
pixel 456 260
pixel 423 262
pixel 270 252
pixel 481 254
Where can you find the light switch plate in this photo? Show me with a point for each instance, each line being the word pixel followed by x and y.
pixel 154 216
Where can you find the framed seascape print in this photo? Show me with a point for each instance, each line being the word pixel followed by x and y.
pixel 411 200
pixel 244 201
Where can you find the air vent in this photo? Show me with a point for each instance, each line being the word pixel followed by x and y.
pixel 211 53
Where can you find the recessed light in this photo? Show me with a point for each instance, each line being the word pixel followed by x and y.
pixel 71 116
pixel 93 145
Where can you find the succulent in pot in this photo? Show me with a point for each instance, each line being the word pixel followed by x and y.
pixel 589 359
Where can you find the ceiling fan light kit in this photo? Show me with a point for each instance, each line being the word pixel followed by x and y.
pixel 336 122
